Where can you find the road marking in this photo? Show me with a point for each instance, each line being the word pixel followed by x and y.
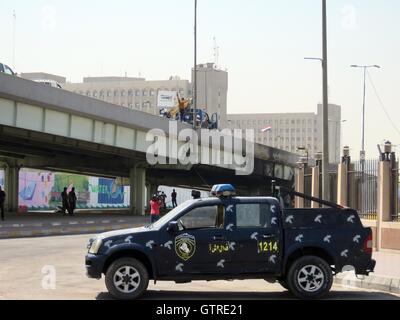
pixel 56 224
pixel 74 222
pixel 106 221
pixel 89 222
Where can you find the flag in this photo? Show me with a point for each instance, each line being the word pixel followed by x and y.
pixel 266 129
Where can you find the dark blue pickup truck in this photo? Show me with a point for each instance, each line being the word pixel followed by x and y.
pixel 227 237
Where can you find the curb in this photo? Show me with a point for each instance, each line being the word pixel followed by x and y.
pixel 372 282
pixel 64 231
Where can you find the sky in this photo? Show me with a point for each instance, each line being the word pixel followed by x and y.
pixel 262 45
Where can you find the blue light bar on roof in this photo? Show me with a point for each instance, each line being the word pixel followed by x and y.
pixel 223 190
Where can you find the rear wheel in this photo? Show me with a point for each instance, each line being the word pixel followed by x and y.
pixel 309 277
pixel 127 279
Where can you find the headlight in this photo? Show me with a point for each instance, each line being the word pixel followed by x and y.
pixel 95 246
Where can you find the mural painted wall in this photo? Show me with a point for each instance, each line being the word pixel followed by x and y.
pixel 41 190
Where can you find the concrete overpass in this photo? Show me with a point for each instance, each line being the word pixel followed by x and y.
pixel 53 129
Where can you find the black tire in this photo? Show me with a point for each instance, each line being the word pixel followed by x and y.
pixel 138 274
pixel 309 272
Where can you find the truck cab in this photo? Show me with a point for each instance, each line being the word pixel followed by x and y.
pixel 225 237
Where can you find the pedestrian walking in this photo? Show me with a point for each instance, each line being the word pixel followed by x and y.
pixel 2 201
pixel 155 204
pixel 64 199
pixel 173 197
pixel 72 201
pixel 164 200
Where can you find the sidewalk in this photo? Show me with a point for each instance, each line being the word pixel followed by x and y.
pixel 385 278
pixel 37 224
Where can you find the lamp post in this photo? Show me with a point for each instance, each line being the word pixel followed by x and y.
pixel 362 152
pixel 325 103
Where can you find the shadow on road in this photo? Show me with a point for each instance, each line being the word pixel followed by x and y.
pixel 203 295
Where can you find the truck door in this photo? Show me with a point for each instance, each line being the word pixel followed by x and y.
pixel 200 246
pixel 258 237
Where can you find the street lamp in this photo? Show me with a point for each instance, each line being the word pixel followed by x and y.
pixel 362 153
pixel 325 103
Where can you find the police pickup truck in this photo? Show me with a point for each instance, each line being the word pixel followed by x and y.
pixel 227 237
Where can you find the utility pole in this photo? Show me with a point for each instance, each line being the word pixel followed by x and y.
pixel 325 122
pixel 195 68
pixel 365 68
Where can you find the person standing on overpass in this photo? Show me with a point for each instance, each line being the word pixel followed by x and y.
pixel 2 201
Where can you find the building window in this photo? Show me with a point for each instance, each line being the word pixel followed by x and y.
pixel 88 93
pixel 95 94
pixel 108 93
pixel 144 93
pixel 123 93
pixel 102 94
pixel 116 93
pixel 130 93
pixel 137 93
pixel 152 93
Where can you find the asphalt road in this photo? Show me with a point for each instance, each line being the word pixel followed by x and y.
pixel 28 266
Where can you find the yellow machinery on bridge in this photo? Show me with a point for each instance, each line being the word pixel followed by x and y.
pixel 183 105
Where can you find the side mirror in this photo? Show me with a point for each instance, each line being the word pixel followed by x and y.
pixel 173 227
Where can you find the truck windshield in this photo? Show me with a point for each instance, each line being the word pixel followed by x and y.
pixel 170 216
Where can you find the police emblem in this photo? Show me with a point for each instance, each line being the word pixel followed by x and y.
pixel 185 246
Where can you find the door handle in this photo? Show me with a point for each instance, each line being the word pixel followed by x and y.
pixel 219 238
pixel 268 236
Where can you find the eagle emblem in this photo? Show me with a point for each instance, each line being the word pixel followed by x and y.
pixel 185 246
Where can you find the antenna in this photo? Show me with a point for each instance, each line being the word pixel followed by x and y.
pixel 216 53
pixel 14 33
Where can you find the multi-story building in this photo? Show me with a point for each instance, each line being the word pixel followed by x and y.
pixel 134 93
pixel 212 91
pixel 291 131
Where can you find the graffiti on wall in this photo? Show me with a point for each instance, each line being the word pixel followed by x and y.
pixel 40 190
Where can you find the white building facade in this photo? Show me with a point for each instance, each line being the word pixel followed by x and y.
pixel 291 131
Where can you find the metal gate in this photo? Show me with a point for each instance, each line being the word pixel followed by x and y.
pixel 363 188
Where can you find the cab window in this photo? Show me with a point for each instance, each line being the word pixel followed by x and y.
pixel 253 215
pixel 7 70
pixel 204 218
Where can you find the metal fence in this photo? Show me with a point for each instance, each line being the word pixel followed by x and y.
pixel 363 188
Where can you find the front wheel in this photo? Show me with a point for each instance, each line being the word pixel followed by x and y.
pixel 309 277
pixel 127 279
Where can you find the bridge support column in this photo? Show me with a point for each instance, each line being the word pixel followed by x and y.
pixel 138 191
pixel 11 187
